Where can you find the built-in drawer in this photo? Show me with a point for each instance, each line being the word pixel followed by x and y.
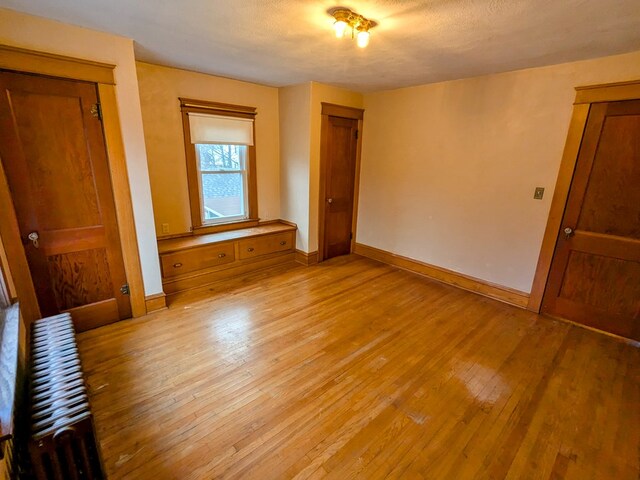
pixel 179 263
pixel 253 247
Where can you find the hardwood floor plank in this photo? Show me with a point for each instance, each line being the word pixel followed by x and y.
pixel 354 369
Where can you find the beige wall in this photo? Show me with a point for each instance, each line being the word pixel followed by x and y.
pixel 295 138
pixel 300 127
pixel 160 88
pixel 449 169
pixel 323 93
pixel 25 31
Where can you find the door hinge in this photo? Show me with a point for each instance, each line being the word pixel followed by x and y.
pixel 124 289
pixel 356 134
pixel 350 235
pixel 96 110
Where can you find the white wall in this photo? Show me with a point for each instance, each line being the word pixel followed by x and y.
pixel 295 147
pixel 449 169
pixel 25 31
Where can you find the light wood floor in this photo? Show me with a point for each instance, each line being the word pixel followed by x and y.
pixel 355 369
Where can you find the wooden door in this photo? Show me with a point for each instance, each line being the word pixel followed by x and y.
pixel 595 272
pixel 341 147
pixel 53 153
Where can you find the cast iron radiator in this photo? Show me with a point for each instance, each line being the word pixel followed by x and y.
pixel 62 443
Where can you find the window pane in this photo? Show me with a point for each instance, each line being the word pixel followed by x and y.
pixel 220 157
pixel 223 195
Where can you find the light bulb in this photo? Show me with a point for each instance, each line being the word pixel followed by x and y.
pixel 363 38
pixel 339 26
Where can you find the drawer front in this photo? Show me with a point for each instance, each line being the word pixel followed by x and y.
pixel 266 244
pixel 179 263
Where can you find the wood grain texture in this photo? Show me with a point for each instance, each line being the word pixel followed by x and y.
pixel 54 155
pixel 198 260
pixel 326 149
pixel 560 194
pixel 21 60
pixel 80 278
pixel 225 272
pixel 195 241
pixel 16 258
pixel 156 302
pixel 352 368
pixel 304 258
pixel 266 244
pixel 595 274
pixel 192 260
pixel 338 162
pixel 481 287
pixel 122 197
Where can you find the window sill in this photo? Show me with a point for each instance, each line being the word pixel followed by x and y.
pixel 226 227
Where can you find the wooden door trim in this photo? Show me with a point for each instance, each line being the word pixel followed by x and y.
pixel 334 110
pixel 42 63
pixel 613 92
pixel 67 67
pixel 585 96
pixel 16 257
pixel 329 109
pixel 122 196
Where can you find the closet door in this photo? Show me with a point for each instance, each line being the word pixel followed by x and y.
pixel 595 272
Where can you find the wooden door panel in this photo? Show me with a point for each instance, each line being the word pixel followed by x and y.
pixel 595 272
pixel 52 148
pixel 601 282
pixel 58 160
pixel 80 278
pixel 339 185
pixel 612 200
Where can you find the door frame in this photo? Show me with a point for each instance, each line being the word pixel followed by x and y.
pixel 585 97
pixel 102 74
pixel 333 110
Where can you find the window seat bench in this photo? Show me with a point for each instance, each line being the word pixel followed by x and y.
pixel 197 260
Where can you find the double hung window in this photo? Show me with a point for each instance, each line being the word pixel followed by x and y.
pixel 220 162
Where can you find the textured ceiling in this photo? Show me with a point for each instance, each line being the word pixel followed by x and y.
pixel 280 42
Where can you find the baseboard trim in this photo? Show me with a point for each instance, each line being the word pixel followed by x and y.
pixel 475 285
pixel 305 258
pixel 155 302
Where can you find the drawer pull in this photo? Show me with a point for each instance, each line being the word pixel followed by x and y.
pixel 222 255
pixel 250 249
pixel 283 242
pixel 177 265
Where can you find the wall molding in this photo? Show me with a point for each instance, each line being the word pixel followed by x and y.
pixel 44 63
pixel 465 282
pixel 155 302
pixel 305 258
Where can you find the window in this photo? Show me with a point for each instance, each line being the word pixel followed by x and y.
pixel 223 182
pixel 220 163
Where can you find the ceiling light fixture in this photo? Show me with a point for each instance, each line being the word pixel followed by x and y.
pixel 360 26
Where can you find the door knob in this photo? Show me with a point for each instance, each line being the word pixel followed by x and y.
pixel 329 200
pixel 33 236
pixel 568 232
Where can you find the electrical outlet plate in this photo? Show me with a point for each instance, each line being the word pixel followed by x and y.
pixel 539 193
pixel 165 228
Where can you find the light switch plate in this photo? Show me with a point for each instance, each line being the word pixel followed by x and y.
pixel 539 193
